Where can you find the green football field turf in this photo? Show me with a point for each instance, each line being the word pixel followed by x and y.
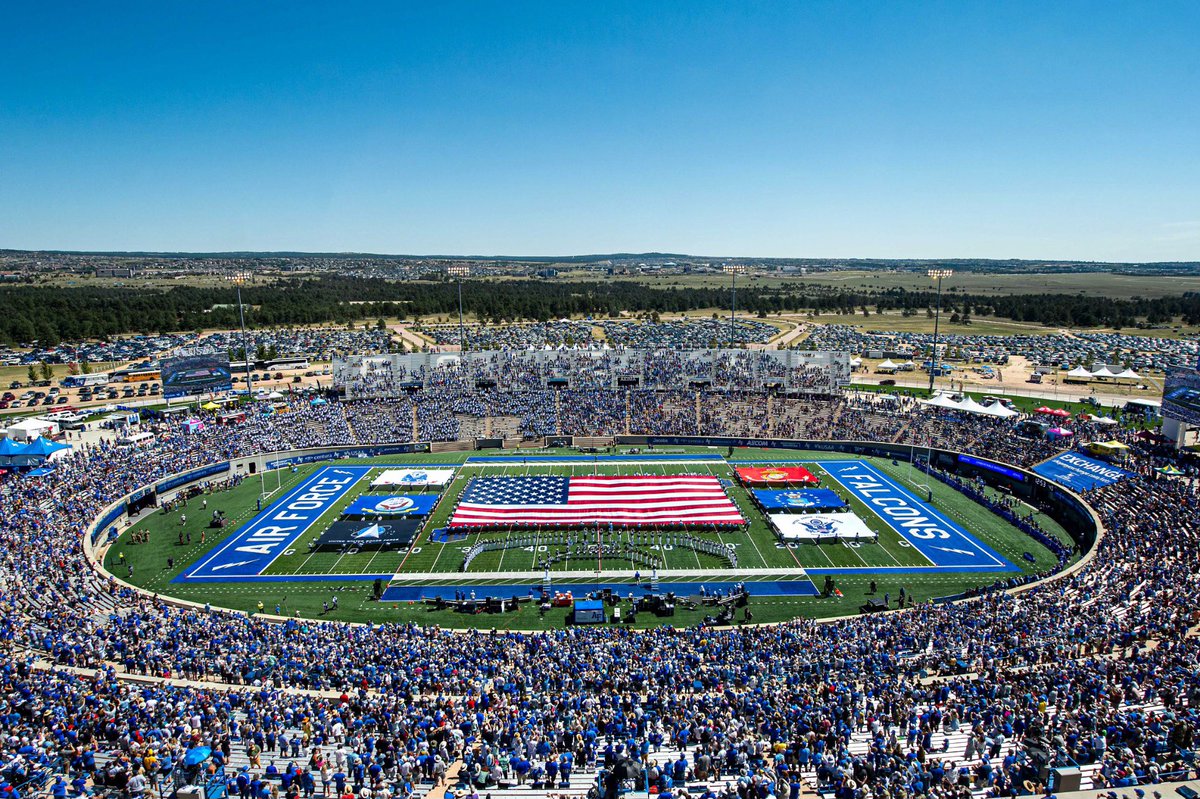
pixel 756 547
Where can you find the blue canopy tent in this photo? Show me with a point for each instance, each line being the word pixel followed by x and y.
pixel 9 448
pixel 34 453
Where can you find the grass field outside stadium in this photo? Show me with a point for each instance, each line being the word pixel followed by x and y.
pixel 300 581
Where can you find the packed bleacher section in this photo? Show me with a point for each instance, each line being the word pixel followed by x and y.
pixel 690 334
pixel 787 371
pixel 1051 349
pixel 1098 668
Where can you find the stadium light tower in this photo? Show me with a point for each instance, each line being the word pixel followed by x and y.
pixel 938 275
pixel 733 270
pixel 239 278
pixel 460 271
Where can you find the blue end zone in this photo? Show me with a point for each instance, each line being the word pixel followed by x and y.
pixel 943 542
pixel 415 593
pixel 253 548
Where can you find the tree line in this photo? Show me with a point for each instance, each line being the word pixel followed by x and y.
pixel 50 315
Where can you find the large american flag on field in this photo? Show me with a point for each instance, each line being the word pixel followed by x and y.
pixel 571 501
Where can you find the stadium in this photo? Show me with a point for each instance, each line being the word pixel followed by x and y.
pixel 572 574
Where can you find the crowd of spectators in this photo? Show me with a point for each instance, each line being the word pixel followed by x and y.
pixel 597 370
pixel 1096 668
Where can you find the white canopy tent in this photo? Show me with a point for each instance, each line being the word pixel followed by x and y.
pixel 1080 371
pixel 969 405
pixel 999 411
pixel 1103 421
pixel 941 401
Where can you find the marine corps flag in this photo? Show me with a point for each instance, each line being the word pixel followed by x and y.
pixel 776 476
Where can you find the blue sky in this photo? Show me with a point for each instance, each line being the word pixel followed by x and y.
pixel 808 129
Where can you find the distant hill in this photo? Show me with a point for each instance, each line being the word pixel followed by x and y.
pixel 982 265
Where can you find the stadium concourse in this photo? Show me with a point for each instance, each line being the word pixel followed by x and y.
pixel 117 691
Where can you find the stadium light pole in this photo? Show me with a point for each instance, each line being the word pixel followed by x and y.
pixel 460 271
pixel 938 275
pixel 239 278
pixel 733 270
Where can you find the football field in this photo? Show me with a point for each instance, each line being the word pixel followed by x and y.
pixel 275 548
pixel 931 548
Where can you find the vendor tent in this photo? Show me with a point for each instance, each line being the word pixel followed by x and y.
pixel 999 410
pixel 34 453
pixel 8 448
pixel 1080 371
pixel 941 401
pixel 1129 374
pixel 969 405
pixel 29 429
pixel 887 366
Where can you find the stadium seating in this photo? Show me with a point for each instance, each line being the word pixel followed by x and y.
pixel 1095 669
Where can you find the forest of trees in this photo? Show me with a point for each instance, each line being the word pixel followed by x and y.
pixel 50 315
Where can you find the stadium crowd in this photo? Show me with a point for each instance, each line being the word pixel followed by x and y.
pixel 1099 667
pixel 597 370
